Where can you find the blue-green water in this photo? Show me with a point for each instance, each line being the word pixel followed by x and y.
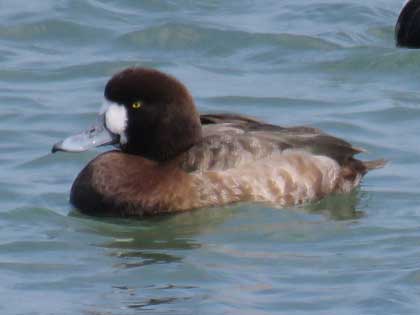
pixel 328 63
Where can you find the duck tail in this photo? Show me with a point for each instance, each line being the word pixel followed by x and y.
pixel 353 171
pixel 375 164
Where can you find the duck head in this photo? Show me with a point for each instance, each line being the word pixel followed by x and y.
pixel 145 112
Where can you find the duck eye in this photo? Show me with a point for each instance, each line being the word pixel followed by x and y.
pixel 136 105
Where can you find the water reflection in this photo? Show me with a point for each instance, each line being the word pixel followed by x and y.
pixel 338 206
pixel 165 239
pixel 149 303
pixel 158 240
pixel 162 247
pixel 143 258
pixel 132 238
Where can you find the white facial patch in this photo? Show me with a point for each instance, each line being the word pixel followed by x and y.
pixel 116 119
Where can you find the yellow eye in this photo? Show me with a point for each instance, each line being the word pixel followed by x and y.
pixel 136 105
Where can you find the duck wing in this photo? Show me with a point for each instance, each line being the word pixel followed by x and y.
pixel 231 140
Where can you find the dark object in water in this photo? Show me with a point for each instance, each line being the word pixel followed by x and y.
pixel 407 29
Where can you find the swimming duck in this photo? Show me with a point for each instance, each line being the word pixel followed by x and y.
pixel 407 29
pixel 173 159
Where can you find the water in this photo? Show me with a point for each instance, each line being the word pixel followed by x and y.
pixel 329 64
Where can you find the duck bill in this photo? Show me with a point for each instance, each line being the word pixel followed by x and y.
pixel 95 136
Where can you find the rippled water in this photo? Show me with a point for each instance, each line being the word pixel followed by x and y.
pixel 329 64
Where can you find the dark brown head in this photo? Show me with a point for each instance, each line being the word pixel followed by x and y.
pixel 148 113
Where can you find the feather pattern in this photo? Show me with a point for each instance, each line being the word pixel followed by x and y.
pixel 231 140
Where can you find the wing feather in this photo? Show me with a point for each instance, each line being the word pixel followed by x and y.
pixel 231 140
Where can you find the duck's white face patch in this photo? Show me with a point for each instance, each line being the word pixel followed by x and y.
pixel 115 119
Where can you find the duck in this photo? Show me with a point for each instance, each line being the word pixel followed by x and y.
pixel 169 158
pixel 407 28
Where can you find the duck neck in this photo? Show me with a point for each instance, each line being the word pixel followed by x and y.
pixel 167 141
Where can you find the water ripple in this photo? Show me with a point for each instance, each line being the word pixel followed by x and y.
pixel 215 42
pixel 52 31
